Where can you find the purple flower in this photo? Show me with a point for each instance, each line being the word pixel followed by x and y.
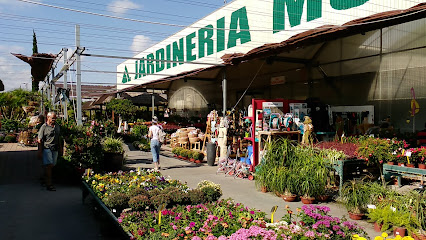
pixel 192 224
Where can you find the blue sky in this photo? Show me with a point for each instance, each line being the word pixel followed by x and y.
pixel 55 29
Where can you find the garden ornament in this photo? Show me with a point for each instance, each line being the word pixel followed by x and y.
pixel 307 130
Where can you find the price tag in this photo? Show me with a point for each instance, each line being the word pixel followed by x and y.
pixel 273 210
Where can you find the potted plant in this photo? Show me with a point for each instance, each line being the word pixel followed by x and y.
pixel 113 153
pixel 291 186
pixel 355 197
pixel 191 155
pixel 381 216
pixel 308 187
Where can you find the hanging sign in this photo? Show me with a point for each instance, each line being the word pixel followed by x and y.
pixel 277 80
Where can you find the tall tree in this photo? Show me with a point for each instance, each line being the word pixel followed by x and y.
pixel 35 48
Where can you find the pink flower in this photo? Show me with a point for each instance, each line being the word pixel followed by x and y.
pixel 120 220
pixel 152 229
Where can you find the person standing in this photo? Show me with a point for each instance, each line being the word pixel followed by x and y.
pixel 154 135
pixel 48 140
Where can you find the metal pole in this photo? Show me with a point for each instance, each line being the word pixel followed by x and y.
pixel 224 93
pixel 65 104
pixel 78 87
pixel 53 88
pixel 153 103
pixel 48 96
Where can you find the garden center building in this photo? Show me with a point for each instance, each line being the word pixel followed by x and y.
pixel 342 52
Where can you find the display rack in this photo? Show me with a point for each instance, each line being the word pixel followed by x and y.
pixel 255 115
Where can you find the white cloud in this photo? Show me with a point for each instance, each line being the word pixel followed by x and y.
pixel 120 7
pixel 140 43
pixel 14 73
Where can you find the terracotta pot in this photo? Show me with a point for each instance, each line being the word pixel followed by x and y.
pixel 422 166
pixel 263 189
pixel 399 231
pixel 250 177
pixel 418 236
pixel 192 160
pixel 377 227
pixel 307 200
pixel 289 198
pixel 391 163
pixel 411 165
pixel 197 161
pixel 356 216
pixel 323 198
pixel 401 164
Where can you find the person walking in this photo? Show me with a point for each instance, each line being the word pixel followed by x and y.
pixel 154 135
pixel 48 140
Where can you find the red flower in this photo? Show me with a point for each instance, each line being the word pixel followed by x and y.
pixel 152 229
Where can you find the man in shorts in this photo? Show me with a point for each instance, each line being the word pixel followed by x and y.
pixel 48 139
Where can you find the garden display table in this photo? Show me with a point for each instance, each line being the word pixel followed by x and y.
pixel 400 171
pixel 339 166
pixel 86 190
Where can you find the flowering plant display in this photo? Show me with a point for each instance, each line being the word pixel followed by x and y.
pixel 125 182
pixel 348 149
pixel 203 221
pixel 314 222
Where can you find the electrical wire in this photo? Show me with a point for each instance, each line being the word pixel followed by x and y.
pixel 158 23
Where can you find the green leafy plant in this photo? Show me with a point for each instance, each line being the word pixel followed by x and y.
pixel 113 145
pixel 139 202
pixel 117 200
pixel 355 196
pixel 10 138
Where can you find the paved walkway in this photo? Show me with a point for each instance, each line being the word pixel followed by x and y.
pixel 28 211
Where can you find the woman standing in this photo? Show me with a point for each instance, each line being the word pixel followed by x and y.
pixel 154 135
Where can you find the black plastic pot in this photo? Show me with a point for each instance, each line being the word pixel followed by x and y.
pixel 211 153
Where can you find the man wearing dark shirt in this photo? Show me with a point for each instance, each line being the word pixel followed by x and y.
pixel 48 139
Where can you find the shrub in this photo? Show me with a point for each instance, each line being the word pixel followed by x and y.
pixel 117 200
pixel 1 138
pixel 139 202
pixel 10 139
pixel 137 191
pixel 211 191
pixel 139 130
pixel 196 196
pixel 154 192
pixel 160 199
pixel 178 197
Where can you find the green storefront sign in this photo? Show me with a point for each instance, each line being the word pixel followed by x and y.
pixel 209 39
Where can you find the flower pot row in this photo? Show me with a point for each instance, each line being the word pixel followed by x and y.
pixel 411 165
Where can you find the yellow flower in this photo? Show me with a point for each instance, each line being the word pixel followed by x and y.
pixel 378 238
pixel 385 235
pixel 407 238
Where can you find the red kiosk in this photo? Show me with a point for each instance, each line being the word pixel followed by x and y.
pixel 257 114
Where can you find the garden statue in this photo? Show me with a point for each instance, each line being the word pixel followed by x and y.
pixel 222 139
pixel 307 130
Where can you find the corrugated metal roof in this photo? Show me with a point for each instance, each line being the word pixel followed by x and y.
pixel 331 32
